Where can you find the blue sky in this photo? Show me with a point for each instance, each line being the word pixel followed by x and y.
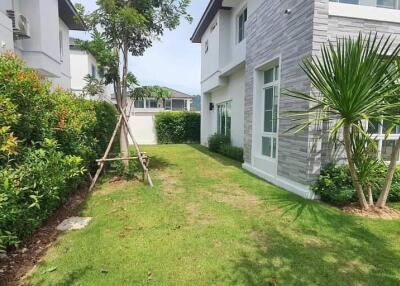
pixel 173 61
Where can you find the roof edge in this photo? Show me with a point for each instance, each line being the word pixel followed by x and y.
pixel 211 10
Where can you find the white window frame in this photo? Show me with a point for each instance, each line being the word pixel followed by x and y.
pixel 380 137
pixel 275 85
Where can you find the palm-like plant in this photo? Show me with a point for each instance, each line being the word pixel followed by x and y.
pixel 355 82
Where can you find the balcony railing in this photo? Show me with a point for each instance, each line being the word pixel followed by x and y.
pixel 390 4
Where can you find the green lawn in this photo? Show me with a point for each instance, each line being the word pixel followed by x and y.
pixel 208 222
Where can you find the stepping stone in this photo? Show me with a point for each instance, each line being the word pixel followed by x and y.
pixel 74 223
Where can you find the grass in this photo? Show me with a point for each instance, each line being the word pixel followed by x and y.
pixel 208 222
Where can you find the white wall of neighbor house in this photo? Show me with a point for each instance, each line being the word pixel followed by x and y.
pixel 233 92
pixel 143 126
pixel 79 62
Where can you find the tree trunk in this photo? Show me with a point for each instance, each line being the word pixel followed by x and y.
pixel 389 176
pixel 352 168
pixel 124 143
pixel 370 197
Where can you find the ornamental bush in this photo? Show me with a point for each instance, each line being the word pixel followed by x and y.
pixel 49 140
pixel 173 127
pixel 334 185
pixel 219 143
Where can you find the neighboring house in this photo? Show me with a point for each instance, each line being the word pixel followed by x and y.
pixel 251 52
pixel 143 114
pixel 82 64
pixel 38 31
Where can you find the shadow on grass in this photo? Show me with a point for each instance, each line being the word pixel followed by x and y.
pixel 159 163
pixel 320 246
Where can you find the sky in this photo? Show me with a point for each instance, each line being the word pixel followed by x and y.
pixel 174 61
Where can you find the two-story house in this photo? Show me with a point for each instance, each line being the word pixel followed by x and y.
pixel 251 52
pixel 82 64
pixel 38 31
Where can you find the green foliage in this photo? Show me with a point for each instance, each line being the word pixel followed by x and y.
pixel 48 140
pixel 217 140
pixel 232 152
pixel 126 171
pixel 334 184
pixel 177 127
pixel 31 190
pixel 222 144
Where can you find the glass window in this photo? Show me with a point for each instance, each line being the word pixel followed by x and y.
pixel 242 25
pixel 151 103
pixel 224 118
pixel 61 43
pixel 385 141
pixel 168 104
pixel 139 103
pixel 391 4
pixel 270 112
pixel 387 149
pixel 93 71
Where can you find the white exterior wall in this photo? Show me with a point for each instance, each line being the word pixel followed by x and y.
pixel 143 125
pixel 6 34
pixel 79 62
pixel 63 78
pixel 234 91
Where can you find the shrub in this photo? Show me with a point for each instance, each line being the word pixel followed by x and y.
pixel 128 172
pixel 47 141
pixel 233 152
pixel 216 141
pixel 334 185
pixel 219 143
pixel 177 127
pixel 34 188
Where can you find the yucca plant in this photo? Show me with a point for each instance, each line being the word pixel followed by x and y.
pixel 356 81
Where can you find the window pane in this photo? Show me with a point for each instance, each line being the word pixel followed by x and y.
pixel 228 119
pixel 387 148
pixel 275 110
pixel 139 103
pixel 241 27
pixel 387 4
pixel 274 148
pixel 266 146
pixel 269 76
pixel 386 125
pixel 268 109
pixel 373 126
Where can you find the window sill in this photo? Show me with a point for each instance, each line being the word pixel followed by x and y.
pixel 364 12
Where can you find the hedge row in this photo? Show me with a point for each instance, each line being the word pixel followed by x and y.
pixel 222 144
pixel 48 142
pixel 177 127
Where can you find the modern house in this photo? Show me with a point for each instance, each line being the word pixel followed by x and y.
pixel 142 119
pixel 38 31
pixel 250 52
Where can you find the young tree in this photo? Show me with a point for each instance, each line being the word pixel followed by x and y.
pixel 120 28
pixel 355 83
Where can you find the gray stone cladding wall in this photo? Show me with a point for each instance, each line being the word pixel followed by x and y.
pixel 272 33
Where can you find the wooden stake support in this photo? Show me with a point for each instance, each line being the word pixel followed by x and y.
pixel 143 158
